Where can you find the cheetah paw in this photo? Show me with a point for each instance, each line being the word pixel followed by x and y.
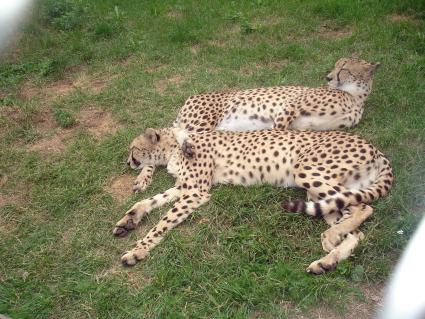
pixel 141 183
pixel 133 256
pixel 321 266
pixel 129 222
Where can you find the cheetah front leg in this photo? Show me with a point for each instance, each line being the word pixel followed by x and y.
pixel 144 178
pixel 350 221
pixel 182 209
pixel 336 255
pixel 134 215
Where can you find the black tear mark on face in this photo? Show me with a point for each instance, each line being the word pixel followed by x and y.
pixel 135 161
pixel 187 149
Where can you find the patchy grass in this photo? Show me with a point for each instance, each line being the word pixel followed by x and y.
pixel 90 75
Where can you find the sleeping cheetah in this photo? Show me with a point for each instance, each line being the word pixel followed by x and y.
pixel 340 172
pixel 336 106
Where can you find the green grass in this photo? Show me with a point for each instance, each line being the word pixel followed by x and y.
pixel 238 256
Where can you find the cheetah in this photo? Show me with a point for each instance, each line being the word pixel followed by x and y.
pixel 341 172
pixel 337 106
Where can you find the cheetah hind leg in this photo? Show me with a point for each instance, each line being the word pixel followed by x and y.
pixel 353 217
pixel 339 253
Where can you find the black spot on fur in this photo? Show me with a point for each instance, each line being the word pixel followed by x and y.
pixel 339 203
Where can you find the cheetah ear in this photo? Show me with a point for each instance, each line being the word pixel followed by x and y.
pixel 374 67
pixel 152 135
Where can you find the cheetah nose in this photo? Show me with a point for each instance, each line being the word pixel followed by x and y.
pixel 128 163
pixel 328 78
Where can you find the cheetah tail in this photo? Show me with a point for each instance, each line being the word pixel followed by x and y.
pixel 347 197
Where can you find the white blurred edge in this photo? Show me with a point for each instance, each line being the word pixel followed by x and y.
pixel 405 297
pixel 12 14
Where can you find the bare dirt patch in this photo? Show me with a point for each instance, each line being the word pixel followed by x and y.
pixel 277 65
pixel 7 227
pixel 12 113
pixel 29 90
pixel 399 18
pixel 56 89
pixel 92 83
pixel 355 308
pixel 45 121
pixel 97 121
pixel 59 88
pixel 177 15
pixel 156 68
pixel 7 199
pixel 137 280
pixel 3 179
pixel 329 32
pixel 54 138
pixel 218 43
pixel 48 145
pixel 120 187
pixel 162 84
pixel 268 22
pixel 194 49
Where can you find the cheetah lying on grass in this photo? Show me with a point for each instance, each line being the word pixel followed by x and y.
pixel 340 172
pixel 337 106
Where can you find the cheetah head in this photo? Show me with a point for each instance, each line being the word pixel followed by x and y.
pixel 352 75
pixel 153 147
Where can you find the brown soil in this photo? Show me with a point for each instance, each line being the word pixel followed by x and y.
pixel 54 139
pixel 45 121
pixel 120 187
pixel 162 85
pixel 399 18
pixel 195 49
pixel 156 68
pixel 218 43
pixel 278 65
pixel 3 179
pixel 12 113
pixel 97 121
pixel 48 145
pixel 6 199
pixel 175 15
pixel 28 90
pixel 63 87
pixel 355 308
pixel 328 32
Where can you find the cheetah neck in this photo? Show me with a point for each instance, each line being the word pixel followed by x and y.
pixel 359 91
pixel 170 144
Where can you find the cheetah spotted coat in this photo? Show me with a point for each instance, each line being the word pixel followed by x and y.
pixel 341 173
pixel 339 105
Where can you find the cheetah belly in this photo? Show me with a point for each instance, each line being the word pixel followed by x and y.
pixel 231 174
pixel 317 123
pixel 243 122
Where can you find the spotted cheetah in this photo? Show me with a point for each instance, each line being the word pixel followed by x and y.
pixel 341 173
pixel 339 105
